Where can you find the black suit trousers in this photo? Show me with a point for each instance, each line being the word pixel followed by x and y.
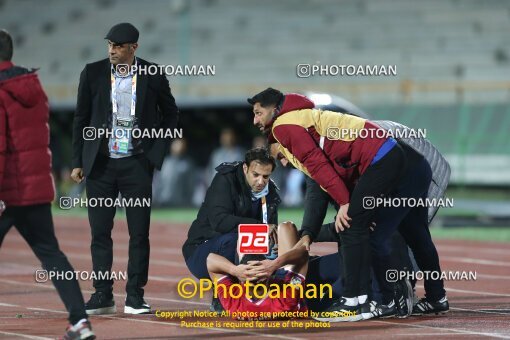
pixel 132 178
pixel 35 224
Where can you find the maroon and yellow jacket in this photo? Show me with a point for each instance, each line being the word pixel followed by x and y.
pixel 324 144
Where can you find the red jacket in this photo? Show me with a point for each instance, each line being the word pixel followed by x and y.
pixel 335 165
pixel 25 159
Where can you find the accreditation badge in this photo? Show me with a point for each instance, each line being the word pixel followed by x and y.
pixel 120 143
pixel 124 122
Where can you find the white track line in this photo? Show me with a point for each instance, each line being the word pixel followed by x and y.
pixel 31 269
pixel 477 292
pixel 490 250
pixel 119 245
pixel 414 335
pixel 180 264
pixel 49 286
pixel 26 336
pixel 2 304
pixel 122 259
pixel 473 292
pixel 477 261
pixel 459 331
pixel 493 277
pixel 173 324
pixel 123 239
pixel 488 311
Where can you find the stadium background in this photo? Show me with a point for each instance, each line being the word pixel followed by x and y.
pixel 453 79
pixel 452 59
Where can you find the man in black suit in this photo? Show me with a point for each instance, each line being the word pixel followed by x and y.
pixel 113 102
pixel 240 193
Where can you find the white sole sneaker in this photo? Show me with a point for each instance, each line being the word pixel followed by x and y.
pixel 101 311
pixel 341 319
pixel 367 316
pixel 131 310
pixel 410 298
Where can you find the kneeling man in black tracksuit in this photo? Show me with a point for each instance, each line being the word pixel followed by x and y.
pixel 240 193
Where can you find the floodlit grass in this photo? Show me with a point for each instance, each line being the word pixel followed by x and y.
pixel 494 194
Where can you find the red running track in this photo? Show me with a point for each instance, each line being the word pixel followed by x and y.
pixel 31 310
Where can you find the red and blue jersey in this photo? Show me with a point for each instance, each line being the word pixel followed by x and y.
pixel 289 298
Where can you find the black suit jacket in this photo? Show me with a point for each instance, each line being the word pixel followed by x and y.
pixel 155 108
pixel 226 205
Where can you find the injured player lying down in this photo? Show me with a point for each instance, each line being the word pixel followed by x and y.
pixel 259 288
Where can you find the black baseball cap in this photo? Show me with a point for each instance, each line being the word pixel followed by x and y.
pixel 123 33
pixel 267 97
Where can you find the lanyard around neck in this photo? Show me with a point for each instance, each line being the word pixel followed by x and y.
pixel 115 108
pixel 264 209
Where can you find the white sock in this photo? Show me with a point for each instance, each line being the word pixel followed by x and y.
pixel 351 301
pixel 78 324
pixel 362 299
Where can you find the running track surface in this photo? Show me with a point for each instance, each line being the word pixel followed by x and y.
pixel 31 310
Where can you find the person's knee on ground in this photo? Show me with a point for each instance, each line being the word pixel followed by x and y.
pixel 287 237
pixel 208 261
pixel 287 227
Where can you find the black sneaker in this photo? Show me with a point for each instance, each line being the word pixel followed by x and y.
pixel 340 312
pixel 100 303
pixel 135 304
pixel 425 307
pixel 403 298
pixel 216 306
pixel 373 309
pixel 81 331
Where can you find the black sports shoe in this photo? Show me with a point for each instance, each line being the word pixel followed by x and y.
pixel 135 304
pixel 81 331
pixel 216 306
pixel 340 312
pixel 425 307
pixel 403 298
pixel 100 303
pixel 373 309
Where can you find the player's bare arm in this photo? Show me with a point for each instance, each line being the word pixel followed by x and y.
pixel 219 266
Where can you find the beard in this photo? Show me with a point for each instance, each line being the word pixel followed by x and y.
pixel 266 131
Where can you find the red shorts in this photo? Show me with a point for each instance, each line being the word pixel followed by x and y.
pixel 233 297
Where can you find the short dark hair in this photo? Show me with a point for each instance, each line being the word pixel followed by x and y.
pixel 260 155
pixel 252 257
pixel 267 98
pixel 5 46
